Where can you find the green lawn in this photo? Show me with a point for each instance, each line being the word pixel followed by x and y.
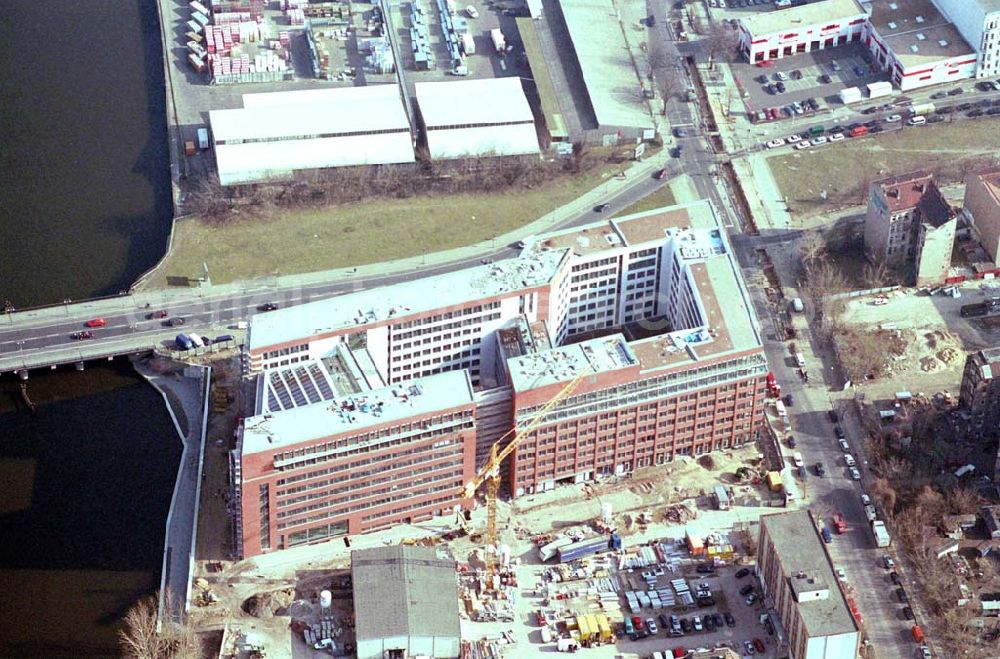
pixel 356 234
pixel 664 196
pixel 844 170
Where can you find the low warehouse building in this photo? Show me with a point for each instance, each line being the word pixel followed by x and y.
pixel 277 134
pixel 771 35
pixel 405 603
pixel 472 118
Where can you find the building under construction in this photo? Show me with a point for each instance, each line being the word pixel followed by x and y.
pixel 610 347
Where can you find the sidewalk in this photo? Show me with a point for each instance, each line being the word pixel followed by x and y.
pixel 761 191
pixel 185 394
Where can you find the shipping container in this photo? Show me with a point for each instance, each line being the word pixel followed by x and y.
pixel 203 138
pixel 921 108
pixel 882 538
pixel 582 549
pixel 197 6
pixel 850 95
pixel 878 89
pixel 201 18
pixel 195 26
pixel 189 148
pixel 468 43
pixel 197 63
pixel 550 550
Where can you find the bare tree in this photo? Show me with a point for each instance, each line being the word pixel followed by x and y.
pixel 140 638
pixel 721 40
pixel 876 275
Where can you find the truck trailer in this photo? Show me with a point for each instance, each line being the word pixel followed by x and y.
pixel 582 549
pixel 881 534
pixel 549 550
pixel 921 108
pixel 496 34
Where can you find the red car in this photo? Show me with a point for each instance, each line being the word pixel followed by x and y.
pixel 660 174
pixel 758 645
pixel 157 314
pixel 766 62
pixel 839 523
pixel 679 653
pixel 79 336
pixel 96 322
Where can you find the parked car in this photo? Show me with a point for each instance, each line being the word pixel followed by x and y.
pixel 833 416
pixel 792 139
pixel 696 623
pixel 780 87
pixel 865 500
pixel 936 96
pixel 956 91
pixel 836 137
pixel 742 572
pixel 709 623
pixel 762 79
pixel 791 442
pixel 680 132
pixel 660 174
pixel 816 141
pixel 855 474
pixel 844 446
pixel 825 79
pixel 746 589
pixel 894 578
pixel 820 469
pixel 717 619
pixel 705 568
pixel 651 626
pixel 780 76
pixel 839 432
pixel 267 306
pixel 758 645
pixel 893 118
pixel 908 613
pixel 96 322
pixel 685 625
pixel 887 562
pixel 730 620
pixel 796 74
pixel 472 12
pixel 802 145
pixel 827 536
pixel 918 120
pixel 748 648
pixel 600 208
pixel 901 595
pixel 176 321
pixel 775 143
pixel 789 400
pixel 751 598
pixel 162 313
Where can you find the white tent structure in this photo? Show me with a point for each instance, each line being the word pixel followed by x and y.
pixel 276 134
pixel 472 118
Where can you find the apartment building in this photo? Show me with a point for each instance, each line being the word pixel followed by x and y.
pixel 979 23
pixel 651 308
pixel 797 576
pixel 982 208
pixel 910 222
pixel 354 463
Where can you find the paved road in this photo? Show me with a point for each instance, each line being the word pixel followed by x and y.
pixel 813 431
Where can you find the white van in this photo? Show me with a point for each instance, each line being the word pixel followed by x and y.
pixel 196 340
pixel 797 459
pixel 800 359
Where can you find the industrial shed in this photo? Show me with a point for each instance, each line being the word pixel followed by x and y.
pixel 405 603
pixel 276 134
pixel 476 118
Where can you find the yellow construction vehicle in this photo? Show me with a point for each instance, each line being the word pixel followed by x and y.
pixel 489 473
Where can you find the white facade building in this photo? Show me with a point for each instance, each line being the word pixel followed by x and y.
pixel 770 35
pixel 916 44
pixel 471 118
pixel 277 134
pixel 979 23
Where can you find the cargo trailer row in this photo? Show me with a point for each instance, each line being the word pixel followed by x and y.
pixel 583 549
pixel 423 59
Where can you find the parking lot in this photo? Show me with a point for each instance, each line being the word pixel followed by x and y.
pixel 734 9
pixel 806 75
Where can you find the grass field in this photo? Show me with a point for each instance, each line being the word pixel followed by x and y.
pixel 844 170
pixel 344 236
pixel 662 197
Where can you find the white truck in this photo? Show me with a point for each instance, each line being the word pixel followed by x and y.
pixel 800 359
pixel 496 34
pixel 879 89
pixel 468 43
pixel 881 534
pixel 870 513
pixel 850 95
pixel 196 340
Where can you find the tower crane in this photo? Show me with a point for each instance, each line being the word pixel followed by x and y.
pixel 489 473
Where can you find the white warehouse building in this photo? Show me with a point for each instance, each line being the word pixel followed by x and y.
pixel 979 23
pixel 771 35
pixel 277 134
pixel 471 118
pixel 916 44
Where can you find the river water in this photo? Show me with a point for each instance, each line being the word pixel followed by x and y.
pixel 85 207
pixel 84 163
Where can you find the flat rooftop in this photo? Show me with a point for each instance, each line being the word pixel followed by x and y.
pixel 780 20
pixel 601 355
pixel 313 113
pixel 404 299
pixel 916 32
pixel 632 230
pixel 612 82
pixel 801 552
pixel 343 414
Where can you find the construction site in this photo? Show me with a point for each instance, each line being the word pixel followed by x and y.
pixel 562 569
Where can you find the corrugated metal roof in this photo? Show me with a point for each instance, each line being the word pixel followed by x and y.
pixel 404 591
pixel 487 101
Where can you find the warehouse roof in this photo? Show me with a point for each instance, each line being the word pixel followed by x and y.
pixel 916 32
pixel 330 113
pixel 404 591
pixel 353 413
pixel 814 13
pixel 473 102
pixel 608 72
pixel 397 302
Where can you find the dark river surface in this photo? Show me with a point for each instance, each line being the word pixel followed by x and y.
pixel 85 482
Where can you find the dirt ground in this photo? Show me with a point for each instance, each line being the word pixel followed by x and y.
pixel 937 338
